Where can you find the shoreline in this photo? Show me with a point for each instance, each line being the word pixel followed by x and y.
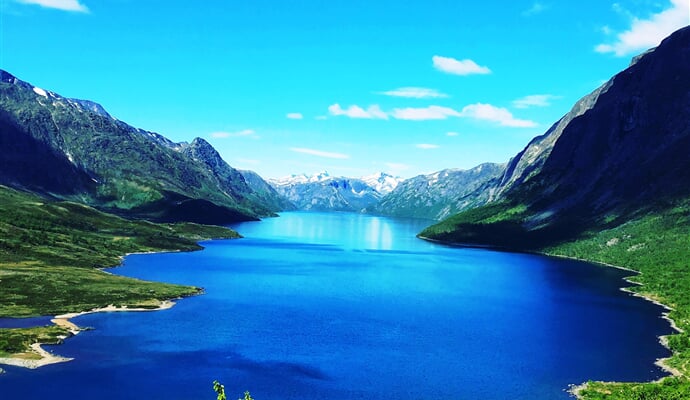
pixel 63 320
pixel 663 339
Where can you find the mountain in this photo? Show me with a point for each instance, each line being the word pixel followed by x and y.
pixel 300 178
pixel 73 149
pixel 441 194
pixel 321 192
pixel 382 182
pixel 621 153
pixel 613 188
pixel 530 160
pixel 267 193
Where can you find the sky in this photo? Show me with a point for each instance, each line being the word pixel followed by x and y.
pixel 351 87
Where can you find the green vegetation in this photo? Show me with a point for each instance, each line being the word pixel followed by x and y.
pixel 655 243
pixel 658 246
pixel 16 341
pixel 668 389
pixel 220 391
pixel 51 254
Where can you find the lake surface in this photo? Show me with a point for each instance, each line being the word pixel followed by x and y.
pixel 347 306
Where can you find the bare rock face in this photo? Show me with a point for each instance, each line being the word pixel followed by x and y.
pixel 531 159
pixel 631 147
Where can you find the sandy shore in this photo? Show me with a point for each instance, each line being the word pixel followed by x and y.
pixel 28 360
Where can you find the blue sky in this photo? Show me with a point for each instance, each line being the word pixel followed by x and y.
pixel 353 87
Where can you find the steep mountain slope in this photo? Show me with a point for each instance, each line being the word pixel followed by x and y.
pixel 531 159
pixel 438 195
pixel 268 194
pixel 73 149
pixel 615 188
pixel 624 156
pixel 321 192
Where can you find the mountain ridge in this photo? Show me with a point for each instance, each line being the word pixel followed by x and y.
pixel 74 150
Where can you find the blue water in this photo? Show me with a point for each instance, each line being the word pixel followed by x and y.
pixel 347 306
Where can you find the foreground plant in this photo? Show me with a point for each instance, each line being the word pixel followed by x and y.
pixel 220 390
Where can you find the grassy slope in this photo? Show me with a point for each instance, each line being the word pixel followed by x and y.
pixel 656 244
pixel 50 254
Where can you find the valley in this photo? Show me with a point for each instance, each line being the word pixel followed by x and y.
pixel 607 183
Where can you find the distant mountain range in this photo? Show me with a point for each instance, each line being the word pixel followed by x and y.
pixel 322 192
pixel 73 149
pixel 441 194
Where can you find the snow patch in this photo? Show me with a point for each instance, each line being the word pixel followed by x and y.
pixel 382 182
pixel 40 92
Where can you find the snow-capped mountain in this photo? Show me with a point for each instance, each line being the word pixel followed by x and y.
pixel 383 183
pixel 300 178
pixel 441 193
pixel 323 192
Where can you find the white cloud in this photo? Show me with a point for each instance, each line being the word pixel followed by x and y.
pixel 65 5
pixel 223 135
pixel 458 67
pixel 354 111
pixel 536 8
pixel 426 146
pixel 416 93
pixel 476 111
pixel 491 113
pixel 294 116
pixel 452 134
pixel 424 113
pixel 319 153
pixel 534 100
pixel 647 33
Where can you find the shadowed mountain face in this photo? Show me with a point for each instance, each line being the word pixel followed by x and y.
pixel 73 149
pixel 630 150
pixel 621 152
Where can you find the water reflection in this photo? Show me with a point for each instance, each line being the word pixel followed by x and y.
pixel 349 231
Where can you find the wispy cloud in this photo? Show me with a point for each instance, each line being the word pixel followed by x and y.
pixel 536 8
pixel 426 146
pixel 492 113
pixel 319 153
pixel 65 5
pixel 415 92
pixel 223 135
pixel 452 134
pixel 450 65
pixel 534 100
pixel 646 33
pixel 479 111
pixel 294 116
pixel 424 113
pixel 354 111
